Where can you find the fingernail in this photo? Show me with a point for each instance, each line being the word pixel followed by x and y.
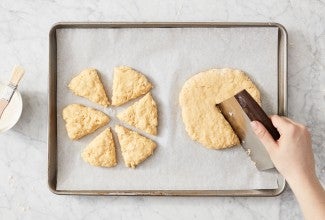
pixel 254 125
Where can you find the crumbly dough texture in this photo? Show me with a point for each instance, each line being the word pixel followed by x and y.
pixel 101 151
pixel 203 121
pixel 81 120
pixel 143 115
pixel 135 148
pixel 87 84
pixel 128 84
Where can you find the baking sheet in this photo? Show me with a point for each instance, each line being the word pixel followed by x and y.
pixel 167 57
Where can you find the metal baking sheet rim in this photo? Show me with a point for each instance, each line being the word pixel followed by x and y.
pixel 52 110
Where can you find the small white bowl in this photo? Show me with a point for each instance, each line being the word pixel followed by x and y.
pixel 13 111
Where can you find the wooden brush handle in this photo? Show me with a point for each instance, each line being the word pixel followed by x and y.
pixel 17 74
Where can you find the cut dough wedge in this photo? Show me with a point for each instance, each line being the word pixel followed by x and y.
pixel 128 84
pixel 81 120
pixel 87 84
pixel 135 148
pixel 101 151
pixel 142 114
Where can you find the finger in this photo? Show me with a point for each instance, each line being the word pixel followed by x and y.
pixel 293 122
pixel 284 118
pixel 281 123
pixel 290 120
pixel 264 136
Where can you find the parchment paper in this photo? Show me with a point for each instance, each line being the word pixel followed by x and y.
pixel 168 57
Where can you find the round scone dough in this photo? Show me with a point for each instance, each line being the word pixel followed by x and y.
pixel 198 98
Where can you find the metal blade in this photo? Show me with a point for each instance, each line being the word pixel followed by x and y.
pixel 240 123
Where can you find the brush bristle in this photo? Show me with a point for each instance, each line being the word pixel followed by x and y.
pixel 17 74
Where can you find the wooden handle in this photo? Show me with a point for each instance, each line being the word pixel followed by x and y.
pixel 17 74
pixel 255 113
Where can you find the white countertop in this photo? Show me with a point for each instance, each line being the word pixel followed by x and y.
pixel 24 27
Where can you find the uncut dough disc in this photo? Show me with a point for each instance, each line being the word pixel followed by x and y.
pixel 203 121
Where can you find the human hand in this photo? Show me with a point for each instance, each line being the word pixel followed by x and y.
pixel 292 154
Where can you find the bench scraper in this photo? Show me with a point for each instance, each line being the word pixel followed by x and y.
pixel 239 111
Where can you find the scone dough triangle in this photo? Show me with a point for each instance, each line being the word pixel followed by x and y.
pixel 142 115
pixel 101 151
pixel 135 148
pixel 87 84
pixel 128 84
pixel 81 120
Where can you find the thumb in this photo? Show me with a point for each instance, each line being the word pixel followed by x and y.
pixel 264 136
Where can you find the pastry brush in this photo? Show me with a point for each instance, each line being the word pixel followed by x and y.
pixel 9 90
